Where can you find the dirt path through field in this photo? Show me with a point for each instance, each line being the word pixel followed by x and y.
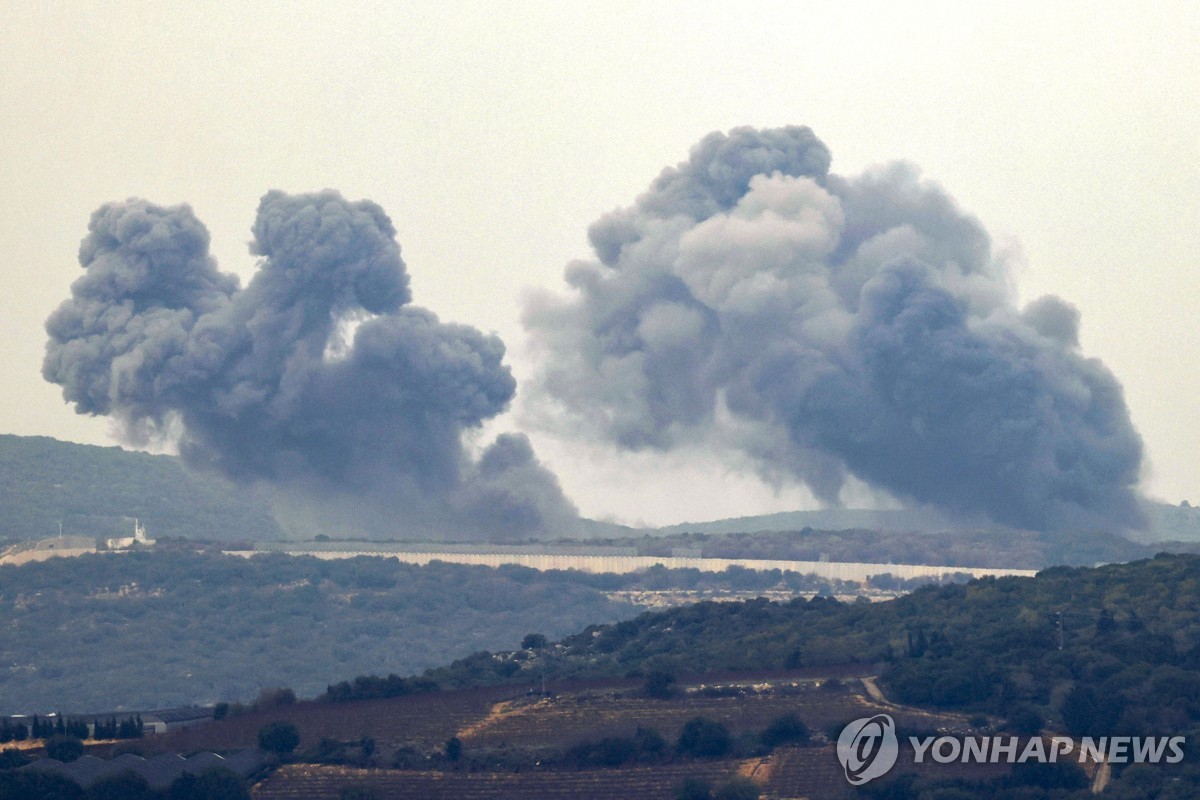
pixel 875 693
pixel 876 696
pixel 500 711
pixel 757 769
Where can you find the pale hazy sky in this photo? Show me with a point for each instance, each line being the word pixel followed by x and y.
pixel 493 134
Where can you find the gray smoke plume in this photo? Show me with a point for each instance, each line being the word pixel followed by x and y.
pixel 832 326
pixel 318 378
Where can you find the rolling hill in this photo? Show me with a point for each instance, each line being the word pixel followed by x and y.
pixel 98 491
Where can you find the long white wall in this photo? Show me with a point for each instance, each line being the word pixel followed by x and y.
pixel 841 570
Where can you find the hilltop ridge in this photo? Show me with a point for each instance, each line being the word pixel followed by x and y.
pixel 96 491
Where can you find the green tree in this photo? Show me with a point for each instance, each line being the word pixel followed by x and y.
pixel 215 784
pixel 64 748
pixel 1024 720
pixel 784 729
pixel 11 758
pixel 125 786
pixel 737 789
pixel 30 784
pixel 794 660
pixel 658 684
pixel 649 743
pixel 694 789
pixel 534 641
pixel 280 737
pixel 1087 712
pixel 275 696
pixel 702 737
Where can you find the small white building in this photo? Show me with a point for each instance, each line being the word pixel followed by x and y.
pixel 126 542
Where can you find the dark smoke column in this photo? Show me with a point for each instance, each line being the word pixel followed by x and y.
pixel 831 326
pixel 318 379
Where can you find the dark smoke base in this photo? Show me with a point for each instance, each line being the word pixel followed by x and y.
pixel 831 326
pixel 261 384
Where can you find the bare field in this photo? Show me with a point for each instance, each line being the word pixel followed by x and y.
pixel 580 716
pixel 421 720
pixel 308 782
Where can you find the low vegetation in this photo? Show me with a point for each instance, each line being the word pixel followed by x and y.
pixel 157 629
pixel 138 631
pixel 95 491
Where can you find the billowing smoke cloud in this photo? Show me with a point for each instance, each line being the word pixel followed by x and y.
pixel 318 377
pixel 832 326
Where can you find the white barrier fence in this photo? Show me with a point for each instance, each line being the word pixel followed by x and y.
pixel 838 570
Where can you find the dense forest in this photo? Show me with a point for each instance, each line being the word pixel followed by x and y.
pixel 152 630
pixel 1109 649
pixel 1113 650
pixel 97 491
pixel 142 630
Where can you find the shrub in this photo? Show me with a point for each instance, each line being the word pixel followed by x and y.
pixel 125 786
pixel 645 745
pixel 658 684
pixel 215 784
pixel 784 729
pixel 64 748
pixel 534 641
pixel 11 758
pixel 1023 720
pixel 30 784
pixel 737 789
pixel 279 737
pixel 694 789
pixel 704 738
pixel 275 697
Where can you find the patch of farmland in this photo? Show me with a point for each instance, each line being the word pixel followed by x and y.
pixel 590 715
pixel 424 720
pixel 661 782
pixel 816 772
pixel 803 772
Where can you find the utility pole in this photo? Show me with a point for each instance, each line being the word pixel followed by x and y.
pixel 1059 616
pixel 542 658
